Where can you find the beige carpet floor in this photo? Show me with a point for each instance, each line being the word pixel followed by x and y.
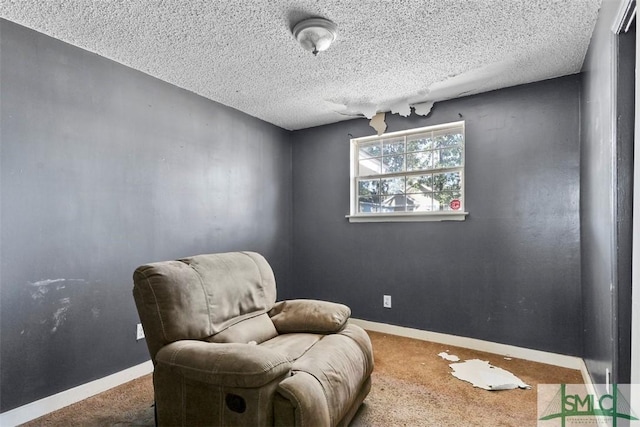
pixel 412 386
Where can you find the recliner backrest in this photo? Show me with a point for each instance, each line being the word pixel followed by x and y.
pixel 200 296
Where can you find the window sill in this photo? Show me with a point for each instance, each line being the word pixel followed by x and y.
pixel 409 217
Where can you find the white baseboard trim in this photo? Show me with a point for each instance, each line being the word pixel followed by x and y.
pixel 586 377
pixel 555 359
pixel 49 404
pixel 41 407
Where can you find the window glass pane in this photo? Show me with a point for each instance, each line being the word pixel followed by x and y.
pixel 419 184
pixel 447 138
pixel 369 204
pixel 420 161
pixel 449 157
pixel 419 142
pixel 368 187
pixel 369 166
pixel 442 201
pixel 392 185
pixel 395 203
pixel 393 146
pixel 420 202
pixel 391 164
pixel 369 149
pixel 446 181
pixel 419 172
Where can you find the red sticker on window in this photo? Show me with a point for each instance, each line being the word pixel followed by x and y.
pixel 455 204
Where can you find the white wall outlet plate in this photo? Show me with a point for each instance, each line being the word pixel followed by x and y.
pixel 386 301
pixel 139 332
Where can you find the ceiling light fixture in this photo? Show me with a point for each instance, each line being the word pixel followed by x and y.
pixel 315 34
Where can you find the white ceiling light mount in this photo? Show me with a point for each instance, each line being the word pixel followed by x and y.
pixel 315 34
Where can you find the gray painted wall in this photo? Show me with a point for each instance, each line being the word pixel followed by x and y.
pixel 605 221
pixel 102 169
pixel 510 273
pixel 624 201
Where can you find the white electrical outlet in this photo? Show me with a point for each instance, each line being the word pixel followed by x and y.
pixel 139 332
pixel 386 301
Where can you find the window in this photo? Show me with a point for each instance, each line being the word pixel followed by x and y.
pixel 414 175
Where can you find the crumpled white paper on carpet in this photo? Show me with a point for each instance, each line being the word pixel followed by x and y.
pixel 484 375
pixel 449 357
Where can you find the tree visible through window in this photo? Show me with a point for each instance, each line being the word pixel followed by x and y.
pixel 416 171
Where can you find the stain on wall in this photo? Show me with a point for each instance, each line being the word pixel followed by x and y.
pixel 51 318
pixel 50 305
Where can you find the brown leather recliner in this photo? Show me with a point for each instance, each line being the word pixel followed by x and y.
pixel 225 353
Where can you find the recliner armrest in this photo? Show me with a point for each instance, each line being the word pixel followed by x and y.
pixel 301 402
pixel 305 315
pixel 232 365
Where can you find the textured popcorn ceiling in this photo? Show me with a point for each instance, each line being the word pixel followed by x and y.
pixel 388 55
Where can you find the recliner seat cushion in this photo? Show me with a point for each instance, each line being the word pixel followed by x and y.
pixel 293 346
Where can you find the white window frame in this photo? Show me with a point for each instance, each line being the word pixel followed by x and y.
pixel 444 215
